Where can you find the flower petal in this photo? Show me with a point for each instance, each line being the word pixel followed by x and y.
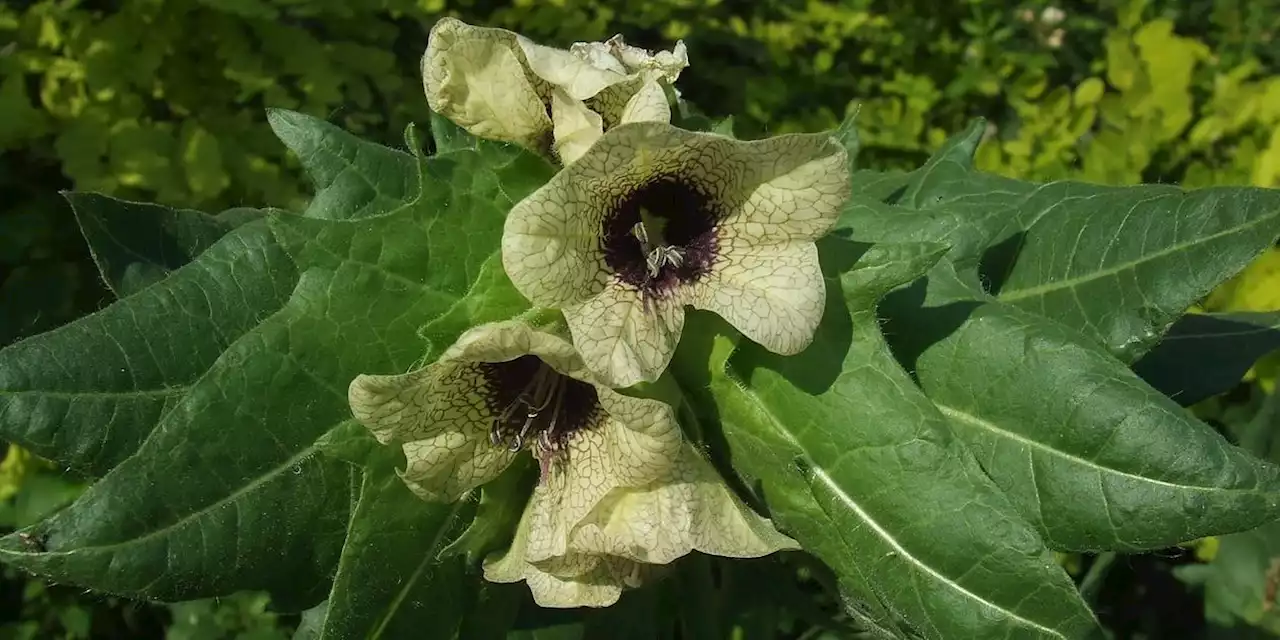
pixel 612 100
pixel 623 338
pixel 635 443
pixel 649 104
pixel 599 55
pixel 578 77
pixel 598 588
pixel 642 437
pixel 475 77
pixel 441 415
pixel 508 340
pixel 576 126
pixel 550 246
pixel 773 293
pixel 551 239
pixel 782 190
pixel 801 183
pixel 576 581
pixel 666 65
pixel 688 509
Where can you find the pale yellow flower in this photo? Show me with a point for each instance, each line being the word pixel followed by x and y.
pixel 619 543
pixel 653 218
pixel 620 489
pixel 500 85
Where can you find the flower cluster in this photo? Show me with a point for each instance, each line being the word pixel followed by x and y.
pixel 620 489
pixel 643 220
pixel 500 85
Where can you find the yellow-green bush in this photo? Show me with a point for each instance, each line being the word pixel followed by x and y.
pixel 163 99
pixel 1142 118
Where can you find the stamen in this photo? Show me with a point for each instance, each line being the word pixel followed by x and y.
pixel 524 430
pixel 662 234
pixel 642 235
pixel 661 256
pixel 553 406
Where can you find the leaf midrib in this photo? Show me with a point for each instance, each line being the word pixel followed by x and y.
pixel 429 555
pixel 249 487
pixel 820 473
pixel 970 419
pixel 1009 295
pixel 76 395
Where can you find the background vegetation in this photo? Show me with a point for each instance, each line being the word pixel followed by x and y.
pixel 163 100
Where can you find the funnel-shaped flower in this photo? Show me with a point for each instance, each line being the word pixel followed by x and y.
pixel 579 580
pixel 653 218
pixel 620 490
pixel 618 544
pixel 498 84
pixel 505 388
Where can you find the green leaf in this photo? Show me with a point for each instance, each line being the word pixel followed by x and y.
pixel 948 176
pixel 494 611
pixel 229 492
pixel 136 244
pixel 723 127
pixel 847 135
pixel 857 465
pixel 353 178
pixel 881 186
pixel 389 583
pixel 558 632
pixel 243 477
pixel 1205 354
pixel 641 614
pixel 87 394
pixel 448 136
pixel 1089 453
pixel 1137 256
pixel 312 622
pixel 502 501
pixel 1118 264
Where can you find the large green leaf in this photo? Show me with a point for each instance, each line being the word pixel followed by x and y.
pixel 1118 264
pixel 233 485
pixel 137 244
pixel 87 394
pixel 394 578
pixel 1091 454
pixel 353 178
pixel 1121 264
pixel 857 464
pixel 1205 354
pixel 389 583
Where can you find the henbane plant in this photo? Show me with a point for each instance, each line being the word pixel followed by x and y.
pixel 605 366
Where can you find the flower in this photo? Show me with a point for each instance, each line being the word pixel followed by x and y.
pixel 619 490
pixel 504 388
pixel 653 218
pixel 498 84
pixel 627 538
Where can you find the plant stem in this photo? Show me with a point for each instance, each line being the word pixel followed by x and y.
pixel 1092 582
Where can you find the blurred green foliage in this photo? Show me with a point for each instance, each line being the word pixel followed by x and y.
pixel 163 100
